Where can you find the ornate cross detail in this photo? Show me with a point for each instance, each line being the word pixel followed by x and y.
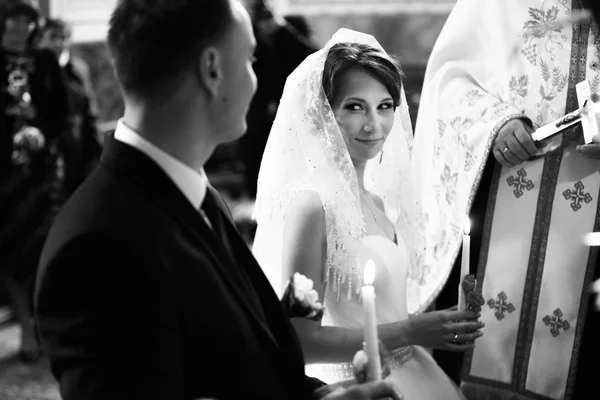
pixel 501 306
pixel 520 182
pixel 556 322
pixel 577 196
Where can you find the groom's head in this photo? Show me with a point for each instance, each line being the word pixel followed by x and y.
pixel 200 50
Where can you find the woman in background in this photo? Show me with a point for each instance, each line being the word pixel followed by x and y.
pixel 33 116
pixel 81 148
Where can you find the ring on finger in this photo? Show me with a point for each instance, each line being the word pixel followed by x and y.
pixel 505 150
pixel 455 337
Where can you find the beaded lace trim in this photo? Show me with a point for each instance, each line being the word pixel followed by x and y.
pixel 342 371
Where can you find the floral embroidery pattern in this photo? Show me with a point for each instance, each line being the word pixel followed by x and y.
pixel 556 323
pixel 595 83
pixel 543 25
pixel 437 149
pixel 456 229
pixel 555 82
pixel 519 85
pixel 557 85
pixel 530 53
pixel 567 5
pixel 449 181
pixel 501 306
pixel 520 182
pixel 441 127
pixel 441 245
pixel 472 97
pixel 469 158
pixel 577 196
pixel 460 125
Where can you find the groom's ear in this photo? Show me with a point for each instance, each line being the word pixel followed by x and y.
pixel 210 70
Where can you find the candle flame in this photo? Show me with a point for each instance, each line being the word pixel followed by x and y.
pixel 467 226
pixel 369 276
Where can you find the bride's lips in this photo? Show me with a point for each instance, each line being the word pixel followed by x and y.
pixel 369 142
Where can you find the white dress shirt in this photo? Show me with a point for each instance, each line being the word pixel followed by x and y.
pixel 191 183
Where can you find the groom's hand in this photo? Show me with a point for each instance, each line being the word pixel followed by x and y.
pixel 350 390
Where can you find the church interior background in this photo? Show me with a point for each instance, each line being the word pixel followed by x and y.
pixel 406 28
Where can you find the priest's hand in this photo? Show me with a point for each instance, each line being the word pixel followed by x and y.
pixel 350 390
pixel 445 330
pixel 590 150
pixel 513 144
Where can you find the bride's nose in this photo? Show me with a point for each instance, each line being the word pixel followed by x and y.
pixel 372 125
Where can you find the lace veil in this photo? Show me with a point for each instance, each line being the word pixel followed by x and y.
pixel 306 152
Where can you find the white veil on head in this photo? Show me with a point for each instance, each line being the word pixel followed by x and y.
pixel 306 152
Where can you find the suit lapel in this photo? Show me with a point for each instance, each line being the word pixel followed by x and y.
pixel 225 265
pixel 156 185
pixel 278 321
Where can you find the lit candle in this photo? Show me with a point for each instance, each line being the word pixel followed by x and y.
pixel 465 264
pixel 370 328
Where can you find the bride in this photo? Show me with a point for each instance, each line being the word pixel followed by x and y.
pixel 334 191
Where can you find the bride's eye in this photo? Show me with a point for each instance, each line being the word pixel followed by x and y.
pixel 353 107
pixel 386 106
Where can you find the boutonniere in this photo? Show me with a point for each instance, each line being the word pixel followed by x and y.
pixel 473 295
pixel 300 300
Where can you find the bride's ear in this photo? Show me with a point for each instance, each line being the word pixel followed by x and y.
pixel 210 70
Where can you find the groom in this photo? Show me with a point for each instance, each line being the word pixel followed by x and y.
pixel 145 288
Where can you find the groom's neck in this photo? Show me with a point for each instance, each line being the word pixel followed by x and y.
pixel 174 127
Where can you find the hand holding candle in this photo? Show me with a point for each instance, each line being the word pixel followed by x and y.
pixel 465 264
pixel 370 327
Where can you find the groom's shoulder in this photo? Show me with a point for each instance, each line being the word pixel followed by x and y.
pixel 105 203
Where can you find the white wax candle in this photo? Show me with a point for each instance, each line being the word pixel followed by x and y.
pixel 595 125
pixel 591 239
pixel 465 264
pixel 370 328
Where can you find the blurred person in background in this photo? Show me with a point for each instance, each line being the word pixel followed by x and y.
pixel 281 47
pixel 82 148
pixel 33 116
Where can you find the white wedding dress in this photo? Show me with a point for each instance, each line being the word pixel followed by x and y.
pixel 413 369
pixel 307 151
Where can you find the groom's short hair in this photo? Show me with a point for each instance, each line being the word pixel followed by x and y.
pixel 151 42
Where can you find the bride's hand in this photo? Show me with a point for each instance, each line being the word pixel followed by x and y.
pixel 446 330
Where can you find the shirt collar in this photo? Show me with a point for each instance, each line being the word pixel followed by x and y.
pixel 191 183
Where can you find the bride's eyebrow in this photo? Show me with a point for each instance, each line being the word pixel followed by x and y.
pixel 355 99
pixel 361 100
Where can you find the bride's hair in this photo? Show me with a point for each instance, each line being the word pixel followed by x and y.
pixel 344 56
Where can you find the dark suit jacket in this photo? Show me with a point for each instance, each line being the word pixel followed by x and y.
pixel 137 298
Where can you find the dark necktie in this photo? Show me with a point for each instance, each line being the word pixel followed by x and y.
pixel 215 215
